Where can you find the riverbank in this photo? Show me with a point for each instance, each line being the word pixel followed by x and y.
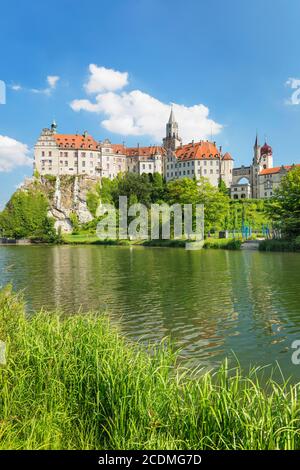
pixel 74 383
pixel 87 239
pixel 280 245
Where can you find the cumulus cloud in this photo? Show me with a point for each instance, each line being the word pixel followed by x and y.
pixel 138 113
pixel 13 154
pixel 294 84
pixel 103 79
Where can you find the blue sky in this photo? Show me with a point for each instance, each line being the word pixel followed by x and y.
pixel 234 57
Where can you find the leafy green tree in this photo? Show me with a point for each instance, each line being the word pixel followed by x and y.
pixel 190 191
pixel 135 187
pixel 158 187
pixel 25 216
pixel 284 207
pixel 222 187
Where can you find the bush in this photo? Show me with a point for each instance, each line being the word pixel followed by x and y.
pixel 25 216
pixel 279 245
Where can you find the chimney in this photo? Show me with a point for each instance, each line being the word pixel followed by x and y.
pixel 85 134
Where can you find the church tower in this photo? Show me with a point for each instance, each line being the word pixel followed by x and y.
pixel 172 139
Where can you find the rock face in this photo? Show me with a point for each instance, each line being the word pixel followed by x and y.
pixel 67 196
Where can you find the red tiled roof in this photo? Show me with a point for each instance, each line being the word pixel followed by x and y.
pixel 145 151
pixel 227 156
pixel 76 141
pixel 197 151
pixel 276 169
pixel 118 148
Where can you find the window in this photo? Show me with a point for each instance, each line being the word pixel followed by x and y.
pixel 66 154
pixel 83 163
pixel 83 154
pixel 50 154
pixel 43 153
pixel 211 172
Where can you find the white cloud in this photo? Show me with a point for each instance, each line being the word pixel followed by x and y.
pixel 294 84
pixel 13 154
pixel 52 80
pixel 102 79
pixel 138 113
pixel 16 87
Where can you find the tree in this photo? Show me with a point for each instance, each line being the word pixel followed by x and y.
pixel 222 187
pixel 25 215
pixel 135 187
pixel 190 191
pixel 284 207
pixel 158 187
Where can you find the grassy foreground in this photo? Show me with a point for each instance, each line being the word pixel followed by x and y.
pixel 74 383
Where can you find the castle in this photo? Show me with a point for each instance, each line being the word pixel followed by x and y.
pixel 80 154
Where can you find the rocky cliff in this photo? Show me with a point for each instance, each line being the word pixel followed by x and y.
pixel 67 197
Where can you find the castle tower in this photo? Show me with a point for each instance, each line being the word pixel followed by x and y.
pixel 256 149
pixel 53 127
pixel 172 139
pixel 266 156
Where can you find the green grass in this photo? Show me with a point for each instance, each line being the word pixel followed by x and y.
pixel 225 243
pixel 72 382
pixel 279 245
pixel 90 239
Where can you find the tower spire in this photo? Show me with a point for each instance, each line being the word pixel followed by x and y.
pixel 172 139
pixel 172 117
